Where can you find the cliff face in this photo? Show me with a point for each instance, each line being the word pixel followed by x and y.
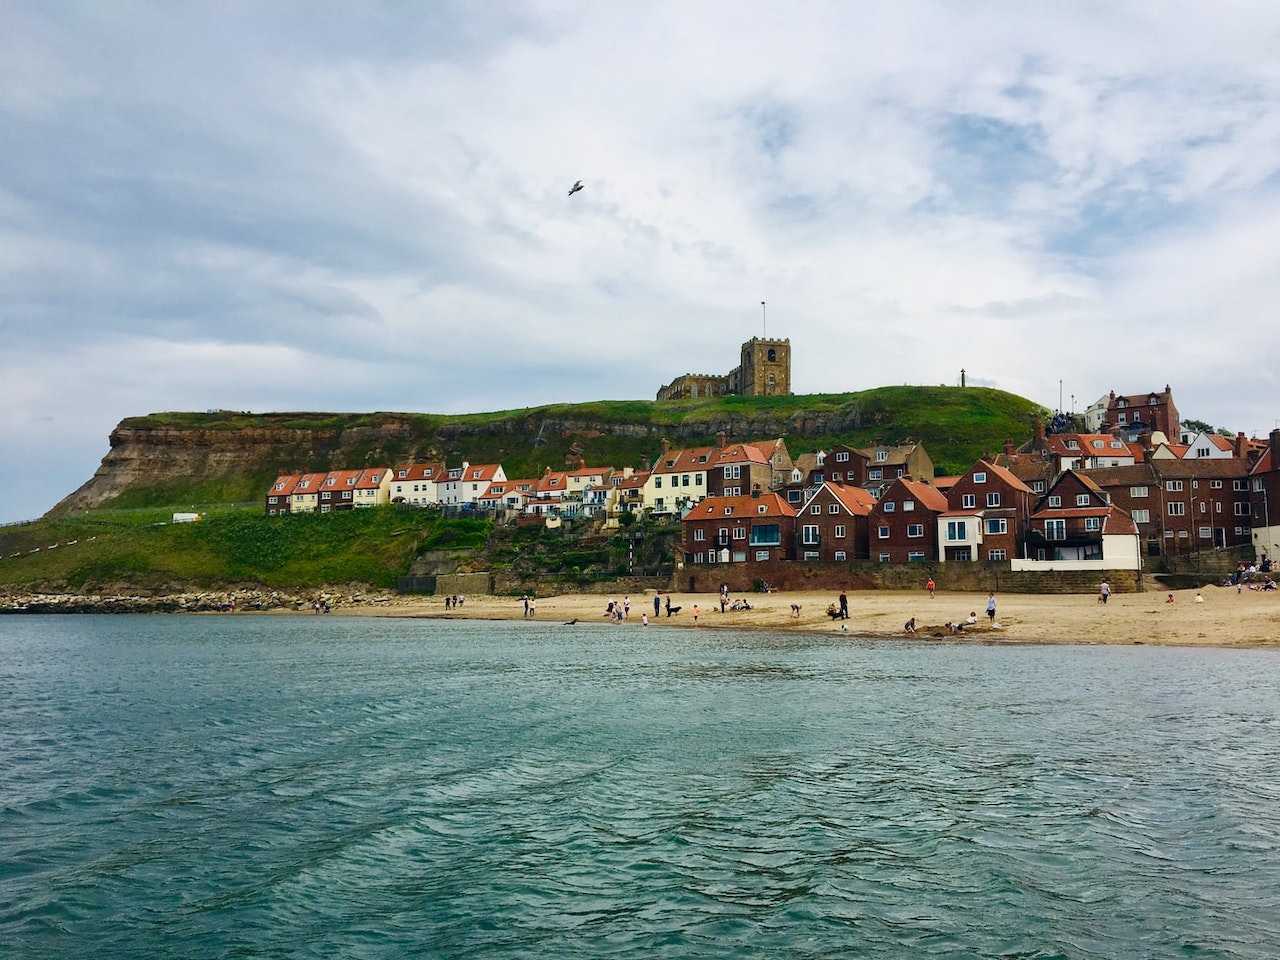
pixel 227 457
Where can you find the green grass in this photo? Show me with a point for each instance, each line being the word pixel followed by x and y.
pixel 228 546
pixel 956 426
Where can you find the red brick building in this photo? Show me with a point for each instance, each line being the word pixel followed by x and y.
pixel 1076 520
pixel 1141 413
pixel 832 524
pixel 988 512
pixel 737 469
pixel 743 529
pixel 902 526
pixel 280 492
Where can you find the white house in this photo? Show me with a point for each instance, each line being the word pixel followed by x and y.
pixel 417 483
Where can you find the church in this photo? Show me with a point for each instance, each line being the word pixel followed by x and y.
pixel 764 370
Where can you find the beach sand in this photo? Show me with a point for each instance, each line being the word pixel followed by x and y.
pixel 1225 618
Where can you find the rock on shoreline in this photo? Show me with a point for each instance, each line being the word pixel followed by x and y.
pixel 201 602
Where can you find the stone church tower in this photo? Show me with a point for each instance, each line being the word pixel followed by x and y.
pixel 765 370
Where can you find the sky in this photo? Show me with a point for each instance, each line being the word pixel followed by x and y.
pixel 363 207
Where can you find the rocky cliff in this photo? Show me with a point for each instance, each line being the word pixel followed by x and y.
pixel 183 458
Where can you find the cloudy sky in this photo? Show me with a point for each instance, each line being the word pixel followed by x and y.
pixel 353 207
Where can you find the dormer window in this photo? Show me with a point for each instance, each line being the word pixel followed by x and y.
pixel 728 511
pixel 980 477
pixel 1098 444
pixel 1072 445
pixel 329 482
pixel 475 474
pixel 761 509
pixel 351 481
pixel 1152 402
pixel 402 473
pixel 1120 402
pixel 882 456
pixel 1117 445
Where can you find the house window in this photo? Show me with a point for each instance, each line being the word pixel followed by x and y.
pixel 739 533
pixel 722 536
pixel 883 533
pixel 993 499
pixel 1123 418
pixel 1240 509
pixel 997 555
pixel 884 558
pixel 762 554
pixel 1215 484
pixel 908 505
pixel 840 556
pixel 915 530
pixel 915 556
pixel 1072 445
pixel 1204 507
pixel 1142 516
pixel 875 473
pixel 842 457
pixel 890 506
pixel 837 476
pixel 762 509
pixel 1206 533
pixel 657 483
pixel 1055 501
pixel 882 456
pixel 997 525
pixel 1082 499
pixel 968 501
pixel 1138 493
pixel 1182 534
pixel 402 474
pixel 793 496
pixel 956 530
pixel 766 535
pixel 1239 485
pixel 1257 484
pixel 1055 529
pixel 1037 486
pixel 840 531
pixel 979 477
pixel 1177 508
pixel 816 509
pixel 1093 523
pixel 1173 486
pixel 833 508
pixel 684 479
pixel 810 534
pixel 273 499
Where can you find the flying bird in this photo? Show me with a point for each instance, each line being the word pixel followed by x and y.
pixel 575 188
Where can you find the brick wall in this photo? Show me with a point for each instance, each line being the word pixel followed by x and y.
pixel 474 584
pixel 865 575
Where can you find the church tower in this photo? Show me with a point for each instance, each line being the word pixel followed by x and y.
pixel 765 370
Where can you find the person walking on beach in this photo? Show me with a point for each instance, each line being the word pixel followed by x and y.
pixel 991 608
pixel 931 587
pixel 668 604
pixel 525 601
pixel 626 607
pixel 844 606
pixel 1104 593
pixel 695 613
pixel 657 605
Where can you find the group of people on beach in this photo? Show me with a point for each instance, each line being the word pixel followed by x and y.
pixel 1255 576
pixel 454 601
pixel 530 606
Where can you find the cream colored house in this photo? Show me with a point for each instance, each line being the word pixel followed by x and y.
pixel 678 479
pixel 417 483
pixel 373 487
pixel 306 495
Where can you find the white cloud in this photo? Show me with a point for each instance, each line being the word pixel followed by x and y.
pixel 290 208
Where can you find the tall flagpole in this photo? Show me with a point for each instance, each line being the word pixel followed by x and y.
pixel 764 321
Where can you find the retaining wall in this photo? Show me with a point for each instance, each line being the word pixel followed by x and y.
pixel 475 584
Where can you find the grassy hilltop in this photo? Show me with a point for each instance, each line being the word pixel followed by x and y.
pixel 956 425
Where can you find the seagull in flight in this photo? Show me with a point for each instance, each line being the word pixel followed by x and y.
pixel 575 188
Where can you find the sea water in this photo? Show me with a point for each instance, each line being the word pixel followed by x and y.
pixel 333 787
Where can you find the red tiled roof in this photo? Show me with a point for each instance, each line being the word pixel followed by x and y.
pixel 1087 445
pixel 556 481
pixel 1139 454
pixel 1004 474
pixel 419 471
pixel 946 483
pixel 284 485
pixel 1119 521
pixel 310 483
pixel 340 480
pixel 711 508
pixel 741 453
pixel 684 461
pixel 1222 443
pixel 372 478
pixel 591 472
pixel 633 482
pixel 1263 465
pixel 476 472
pixel 855 500
pixel 1062 512
pixel 930 497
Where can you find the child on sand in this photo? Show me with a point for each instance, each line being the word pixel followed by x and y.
pixel 910 625
pixel 695 613
pixel 931 587
pixel 991 608
pixel 1170 600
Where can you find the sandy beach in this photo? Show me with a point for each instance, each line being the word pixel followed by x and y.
pixel 1224 618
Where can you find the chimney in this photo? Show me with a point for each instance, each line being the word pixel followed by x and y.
pixel 1275 449
pixel 545 471
pixel 755 487
pixel 1039 432
pixel 666 446
pixel 722 439
pixel 1113 395
pixel 1241 446
pixel 1008 448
